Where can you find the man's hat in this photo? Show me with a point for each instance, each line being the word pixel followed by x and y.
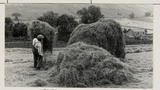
pixel 40 36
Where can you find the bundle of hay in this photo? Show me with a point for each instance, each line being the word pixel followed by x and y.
pixel 82 65
pixel 105 33
pixel 37 83
pixel 38 27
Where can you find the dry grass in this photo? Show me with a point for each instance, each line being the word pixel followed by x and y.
pixel 37 83
pixel 105 33
pixel 19 74
pixel 38 27
pixel 82 65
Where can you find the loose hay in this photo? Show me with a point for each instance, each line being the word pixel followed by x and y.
pixel 105 33
pixel 82 65
pixel 37 83
pixel 38 27
pixel 48 64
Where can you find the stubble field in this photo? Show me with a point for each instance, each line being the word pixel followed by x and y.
pixel 19 71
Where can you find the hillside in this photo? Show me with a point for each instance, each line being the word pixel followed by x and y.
pixel 32 11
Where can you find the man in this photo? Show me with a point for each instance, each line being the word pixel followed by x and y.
pixel 38 51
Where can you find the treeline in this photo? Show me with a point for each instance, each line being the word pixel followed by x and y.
pixel 64 23
pixel 15 30
pixel 138 41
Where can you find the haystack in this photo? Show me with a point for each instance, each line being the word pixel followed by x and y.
pixel 83 65
pixel 38 27
pixel 105 33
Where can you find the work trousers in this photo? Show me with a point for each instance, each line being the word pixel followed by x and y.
pixel 37 58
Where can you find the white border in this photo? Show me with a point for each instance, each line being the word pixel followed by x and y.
pixel 48 1
pixel 2 48
pixel 127 1
pixel 156 44
pixel 85 1
pixel 3 1
pixel 156 54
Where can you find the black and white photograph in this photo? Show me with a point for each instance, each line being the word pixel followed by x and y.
pixel 75 45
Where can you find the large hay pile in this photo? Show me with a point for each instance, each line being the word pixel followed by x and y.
pixel 105 33
pixel 82 65
pixel 38 27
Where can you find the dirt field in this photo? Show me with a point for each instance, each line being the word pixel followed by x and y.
pixel 19 71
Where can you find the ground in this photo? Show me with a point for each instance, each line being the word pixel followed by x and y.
pixel 19 71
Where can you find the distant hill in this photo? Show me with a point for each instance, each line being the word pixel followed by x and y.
pixel 32 11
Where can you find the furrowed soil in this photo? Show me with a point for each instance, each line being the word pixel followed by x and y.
pixel 19 71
